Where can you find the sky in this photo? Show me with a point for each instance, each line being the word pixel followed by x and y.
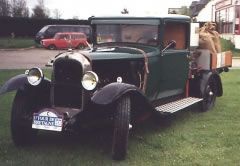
pixel 86 8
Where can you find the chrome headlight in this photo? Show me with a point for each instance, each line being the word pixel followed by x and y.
pixel 89 80
pixel 34 76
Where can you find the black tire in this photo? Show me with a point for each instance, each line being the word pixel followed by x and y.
pixel 121 128
pixel 81 47
pixel 24 105
pixel 209 95
pixel 52 47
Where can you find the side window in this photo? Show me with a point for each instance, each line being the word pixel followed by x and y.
pixel 51 30
pixel 63 36
pixel 178 32
pixel 82 36
pixel 74 36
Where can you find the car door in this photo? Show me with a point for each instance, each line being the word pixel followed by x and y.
pixel 173 62
pixel 63 41
pixel 74 40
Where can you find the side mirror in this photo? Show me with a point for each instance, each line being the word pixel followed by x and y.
pixel 172 44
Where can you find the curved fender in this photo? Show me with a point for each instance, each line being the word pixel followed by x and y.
pixel 218 83
pixel 112 92
pixel 17 82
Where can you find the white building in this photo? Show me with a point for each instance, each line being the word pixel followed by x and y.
pixel 207 13
pixel 226 13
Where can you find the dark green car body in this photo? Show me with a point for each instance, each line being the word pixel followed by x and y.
pixel 168 70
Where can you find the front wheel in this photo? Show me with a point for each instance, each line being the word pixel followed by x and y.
pixel 21 120
pixel 121 128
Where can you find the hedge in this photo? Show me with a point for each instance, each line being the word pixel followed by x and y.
pixel 28 27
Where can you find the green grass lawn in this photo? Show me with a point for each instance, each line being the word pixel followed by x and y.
pixel 16 43
pixel 185 138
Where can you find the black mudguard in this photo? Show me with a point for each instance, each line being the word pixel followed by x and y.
pixel 19 82
pixel 114 91
pixel 206 77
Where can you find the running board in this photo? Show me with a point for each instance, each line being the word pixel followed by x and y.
pixel 177 105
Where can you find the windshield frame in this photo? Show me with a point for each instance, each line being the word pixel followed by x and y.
pixel 95 36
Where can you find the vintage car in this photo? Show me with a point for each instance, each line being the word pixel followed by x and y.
pixel 138 66
pixel 63 40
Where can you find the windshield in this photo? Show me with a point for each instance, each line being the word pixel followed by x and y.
pixel 44 29
pixel 145 34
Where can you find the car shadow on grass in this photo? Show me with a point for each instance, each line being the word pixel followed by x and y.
pixel 99 141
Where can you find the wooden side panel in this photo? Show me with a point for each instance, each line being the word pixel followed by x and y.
pixel 224 59
pixel 228 58
pixel 177 32
pixel 208 61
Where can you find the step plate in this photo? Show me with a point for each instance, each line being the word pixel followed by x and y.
pixel 177 105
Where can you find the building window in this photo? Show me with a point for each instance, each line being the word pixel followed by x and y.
pixel 225 20
pixel 237 21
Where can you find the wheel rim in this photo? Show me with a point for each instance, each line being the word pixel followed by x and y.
pixel 209 96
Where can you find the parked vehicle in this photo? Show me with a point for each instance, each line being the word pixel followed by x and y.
pixel 49 31
pixel 138 67
pixel 66 40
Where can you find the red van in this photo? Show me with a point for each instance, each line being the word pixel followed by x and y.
pixel 63 40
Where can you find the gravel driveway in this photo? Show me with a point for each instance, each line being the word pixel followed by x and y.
pixel 38 57
pixel 26 58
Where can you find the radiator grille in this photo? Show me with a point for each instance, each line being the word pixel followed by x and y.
pixel 67 88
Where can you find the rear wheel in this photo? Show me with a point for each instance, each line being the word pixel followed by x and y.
pixel 209 95
pixel 81 46
pixel 121 128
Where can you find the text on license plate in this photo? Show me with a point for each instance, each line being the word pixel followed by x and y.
pixel 47 121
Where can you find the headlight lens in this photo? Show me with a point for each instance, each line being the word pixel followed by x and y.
pixel 89 80
pixel 34 76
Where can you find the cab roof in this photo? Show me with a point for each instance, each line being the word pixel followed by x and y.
pixel 126 19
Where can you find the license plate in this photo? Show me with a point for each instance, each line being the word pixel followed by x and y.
pixel 47 120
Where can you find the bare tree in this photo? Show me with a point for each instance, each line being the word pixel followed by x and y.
pixel 5 8
pixel 19 8
pixel 75 18
pixel 125 11
pixel 40 11
pixel 57 14
pixel 185 11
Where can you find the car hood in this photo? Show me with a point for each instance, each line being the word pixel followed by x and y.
pixel 121 53
pixel 117 53
pixel 47 40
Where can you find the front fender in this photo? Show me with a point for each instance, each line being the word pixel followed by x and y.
pixel 18 82
pixel 112 92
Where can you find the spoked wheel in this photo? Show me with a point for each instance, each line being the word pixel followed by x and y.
pixel 121 128
pixel 209 95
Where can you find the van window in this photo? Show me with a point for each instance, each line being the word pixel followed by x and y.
pixel 52 30
pixel 43 29
pixel 65 29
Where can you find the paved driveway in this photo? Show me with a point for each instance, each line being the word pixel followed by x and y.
pixel 37 57
pixel 24 59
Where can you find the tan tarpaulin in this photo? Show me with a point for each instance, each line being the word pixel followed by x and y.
pixel 209 39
